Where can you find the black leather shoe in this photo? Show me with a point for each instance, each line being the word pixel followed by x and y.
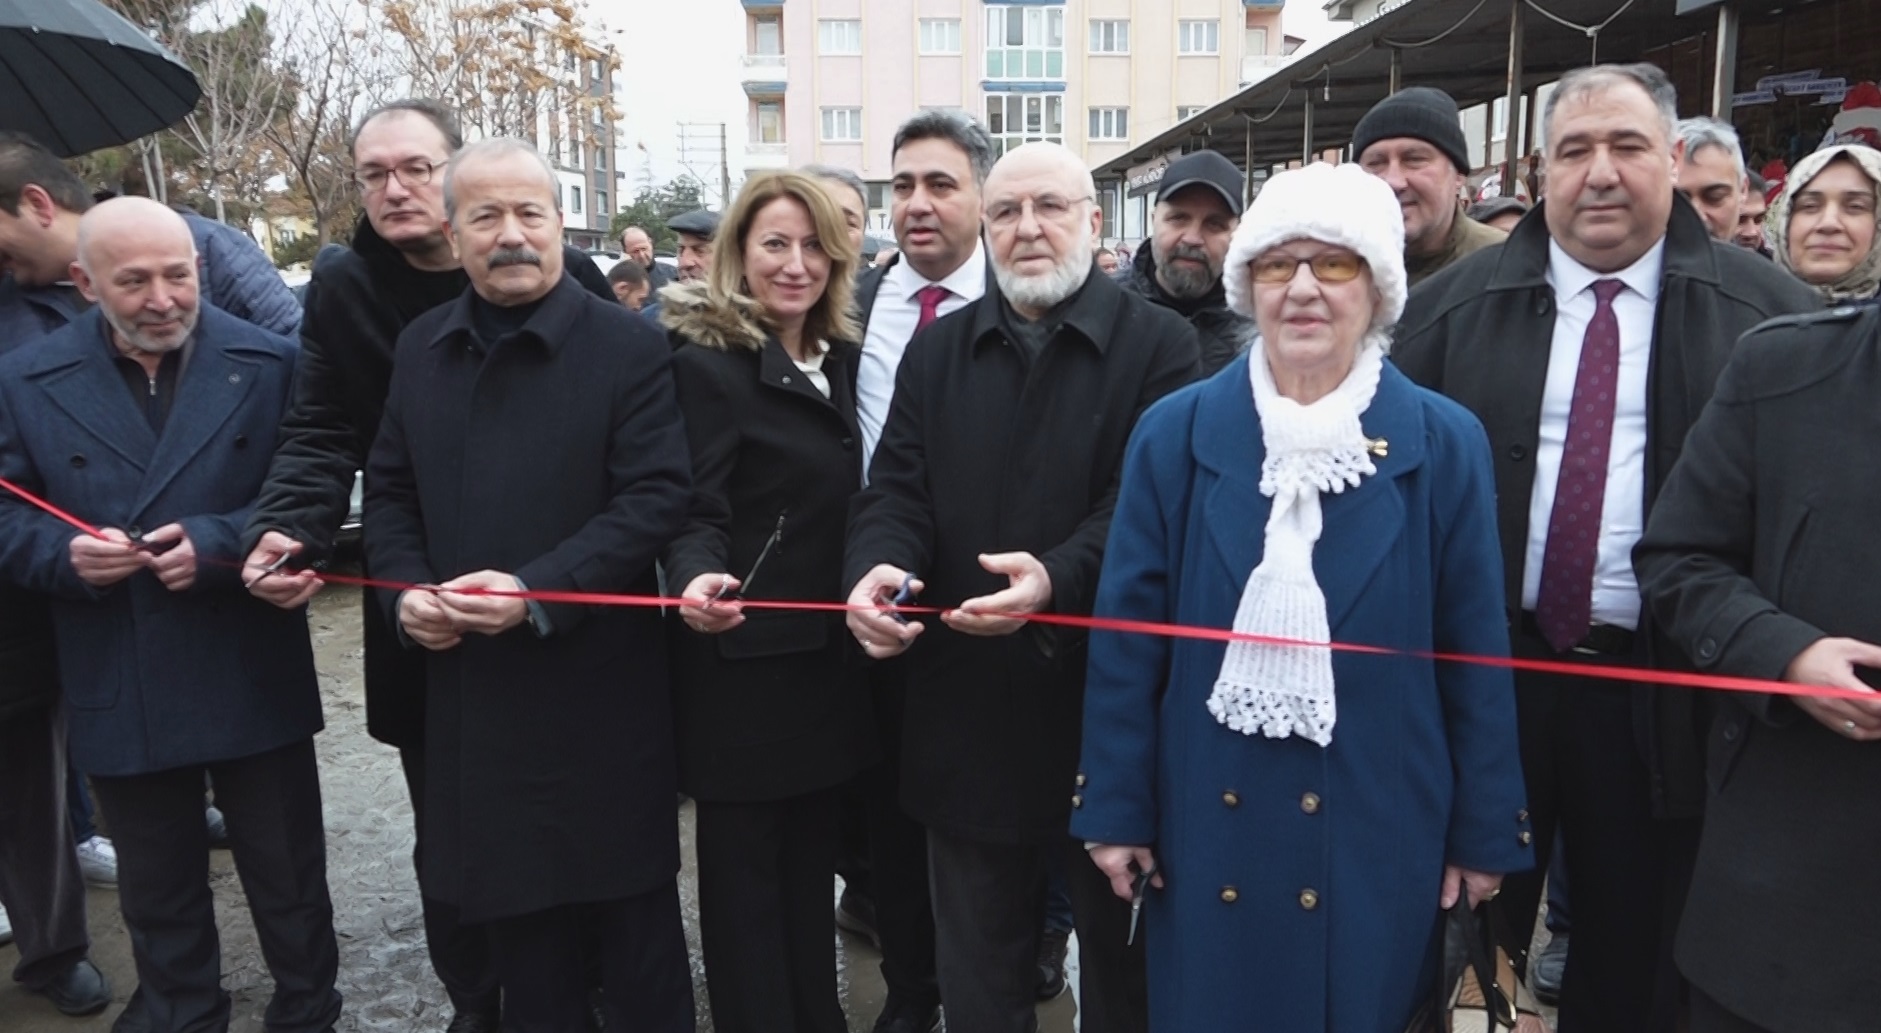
pixel 474 1022
pixel 1545 968
pixel 1051 963
pixel 79 990
pixel 897 1019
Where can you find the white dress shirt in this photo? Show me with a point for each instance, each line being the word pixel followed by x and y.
pixel 1622 514
pixel 891 326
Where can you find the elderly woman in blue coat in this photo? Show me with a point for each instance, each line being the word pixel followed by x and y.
pixel 1305 811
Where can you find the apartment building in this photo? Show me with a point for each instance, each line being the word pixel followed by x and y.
pixel 829 80
pixel 577 132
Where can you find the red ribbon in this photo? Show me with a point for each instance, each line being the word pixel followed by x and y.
pixel 1606 672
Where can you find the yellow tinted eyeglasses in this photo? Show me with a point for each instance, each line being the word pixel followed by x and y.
pixel 1328 267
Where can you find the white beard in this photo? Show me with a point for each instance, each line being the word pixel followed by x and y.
pixel 1046 289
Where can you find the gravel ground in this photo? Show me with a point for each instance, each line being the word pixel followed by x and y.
pixel 384 974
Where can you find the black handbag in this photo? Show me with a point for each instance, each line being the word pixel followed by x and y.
pixel 1477 990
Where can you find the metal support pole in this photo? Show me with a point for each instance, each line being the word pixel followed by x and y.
pixel 1512 136
pixel 1247 164
pixel 1396 82
pixel 1306 133
pixel 1724 74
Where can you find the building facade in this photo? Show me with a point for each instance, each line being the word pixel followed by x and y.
pixel 828 81
pixel 578 132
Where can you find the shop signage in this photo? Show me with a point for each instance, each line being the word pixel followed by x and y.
pixel 1793 84
pixel 1142 179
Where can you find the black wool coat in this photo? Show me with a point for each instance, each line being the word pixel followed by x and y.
pixel 1761 544
pixel 775 707
pixel 987 452
pixel 1480 331
pixel 1224 334
pixel 359 300
pixel 557 456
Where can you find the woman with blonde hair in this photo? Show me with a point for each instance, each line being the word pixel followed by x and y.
pixel 770 716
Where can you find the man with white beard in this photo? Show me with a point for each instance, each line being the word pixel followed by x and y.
pixel 990 497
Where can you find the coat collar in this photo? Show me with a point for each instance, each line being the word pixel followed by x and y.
pixel 1524 259
pixel 549 326
pixel 1092 311
pixel 78 375
pixel 1365 522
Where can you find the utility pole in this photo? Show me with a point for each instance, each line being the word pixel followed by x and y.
pixel 695 151
pixel 724 170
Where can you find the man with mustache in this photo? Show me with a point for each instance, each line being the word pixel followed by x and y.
pixel 1413 141
pixel 532 440
pixel 990 496
pixel 1197 208
pixel 1587 345
pixel 152 416
pixel 399 266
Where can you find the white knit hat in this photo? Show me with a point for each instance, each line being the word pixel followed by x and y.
pixel 1332 204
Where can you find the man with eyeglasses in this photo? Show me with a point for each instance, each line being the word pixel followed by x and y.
pixel 400 265
pixel 990 496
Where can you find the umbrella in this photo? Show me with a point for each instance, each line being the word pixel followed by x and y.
pixel 77 76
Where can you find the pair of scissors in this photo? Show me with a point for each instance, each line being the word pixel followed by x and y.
pixel 903 597
pixel 1137 889
pixel 272 568
pixel 725 589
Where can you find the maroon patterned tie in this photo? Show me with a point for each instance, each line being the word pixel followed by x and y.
pixel 1564 604
pixel 930 298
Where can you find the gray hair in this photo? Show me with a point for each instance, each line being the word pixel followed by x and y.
pixel 1701 132
pixel 955 127
pixel 837 174
pixel 494 147
pixel 1582 83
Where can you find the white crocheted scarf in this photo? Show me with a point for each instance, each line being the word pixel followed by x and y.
pixel 1282 690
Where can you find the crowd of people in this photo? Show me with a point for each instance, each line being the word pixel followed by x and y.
pixel 1596 435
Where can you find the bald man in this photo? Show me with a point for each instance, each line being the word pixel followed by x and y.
pixel 152 417
pixel 992 489
pixel 637 245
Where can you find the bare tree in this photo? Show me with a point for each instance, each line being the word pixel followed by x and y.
pixel 242 94
pixel 334 69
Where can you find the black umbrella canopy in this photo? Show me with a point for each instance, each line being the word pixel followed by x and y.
pixel 77 76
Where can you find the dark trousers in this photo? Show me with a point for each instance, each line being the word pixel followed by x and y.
pixel 460 954
pixel 1708 1016
pixel 543 960
pixel 765 923
pixel 1113 982
pixel 40 884
pixel 904 907
pixel 987 902
pixel 1586 777
pixel 272 803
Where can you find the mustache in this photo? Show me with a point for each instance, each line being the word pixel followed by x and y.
pixel 1192 252
pixel 505 256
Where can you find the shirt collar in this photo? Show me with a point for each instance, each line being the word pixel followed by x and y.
pixel 1569 277
pixel 967 282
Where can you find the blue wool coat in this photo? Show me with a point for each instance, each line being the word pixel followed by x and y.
pixel 1303 882
pixel 156 679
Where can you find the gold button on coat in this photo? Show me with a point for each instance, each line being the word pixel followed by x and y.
pixel 1231 799
pixel 1524 837
pixel 1076 800
pixel 1310 803
pixel 1229 894
pixel 1080 780
pixel 1309 899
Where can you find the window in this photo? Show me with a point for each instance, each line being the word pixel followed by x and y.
pixel 1110 37
pixel 1016 118
pixel 600 202
pixel 940 35
pixel 1108 203
pixel 600 159
pixel 1499 118
pixel 770 122
pixel 1257 41
pixel 842 124
pixel 1025 42
pixel 594 69
pixel 881 196
pixel 837 36
pixel 1199 37
pixel 574 200
pixel 1110 124
pixel 1188 111
pixel 768 37
pixel 568 60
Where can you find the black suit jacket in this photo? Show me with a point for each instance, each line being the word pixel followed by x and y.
pixel 1481 331
pixel 1761 544
pixel 775 707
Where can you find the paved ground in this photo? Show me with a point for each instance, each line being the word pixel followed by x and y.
pixel 388 985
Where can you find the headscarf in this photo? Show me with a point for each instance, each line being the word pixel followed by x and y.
pixel 1864 280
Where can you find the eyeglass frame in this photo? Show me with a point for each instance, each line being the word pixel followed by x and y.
pixel 1017 213
pixel 385 175
pixel 1311 263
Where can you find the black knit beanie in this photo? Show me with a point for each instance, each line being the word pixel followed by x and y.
pixel 1421 113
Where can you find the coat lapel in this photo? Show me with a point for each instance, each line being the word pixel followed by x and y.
pixel 1362 526
pixel 213 386
pixel 89 390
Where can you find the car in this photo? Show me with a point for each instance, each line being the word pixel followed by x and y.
pixel 353 527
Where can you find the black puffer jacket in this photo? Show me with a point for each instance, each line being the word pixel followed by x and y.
pixel 1224 334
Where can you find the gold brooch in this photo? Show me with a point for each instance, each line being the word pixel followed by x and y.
pixel 1378 447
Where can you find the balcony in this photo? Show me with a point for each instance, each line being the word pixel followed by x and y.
pixel 1255 67
pixel 762 5
pixel 763 75
pixel 767 155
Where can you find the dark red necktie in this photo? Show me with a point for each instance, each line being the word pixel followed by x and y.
pixel 930 298
pixel 1564 604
